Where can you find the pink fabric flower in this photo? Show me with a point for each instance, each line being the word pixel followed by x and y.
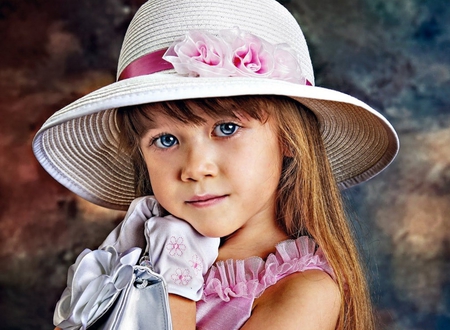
pixel 233 53
pixel 199 54
pixel 250 55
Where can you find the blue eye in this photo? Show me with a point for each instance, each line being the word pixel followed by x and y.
pixel 225 129
pixel 165 141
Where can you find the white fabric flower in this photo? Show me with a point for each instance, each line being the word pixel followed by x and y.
pixel 93 283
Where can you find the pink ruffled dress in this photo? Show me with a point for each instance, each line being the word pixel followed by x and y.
pixel 232 286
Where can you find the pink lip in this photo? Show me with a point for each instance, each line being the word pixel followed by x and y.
pixel 205 200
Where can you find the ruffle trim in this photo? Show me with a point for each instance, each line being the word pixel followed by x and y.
pixel 250 277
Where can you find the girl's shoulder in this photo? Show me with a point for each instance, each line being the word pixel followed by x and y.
pixel 310 298
pixel 251 277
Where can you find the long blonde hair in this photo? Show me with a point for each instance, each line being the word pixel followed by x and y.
pixel 308 200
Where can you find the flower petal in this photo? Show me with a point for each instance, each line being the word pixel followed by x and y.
pixel 233 53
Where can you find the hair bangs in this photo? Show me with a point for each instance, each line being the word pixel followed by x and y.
pixel 192 111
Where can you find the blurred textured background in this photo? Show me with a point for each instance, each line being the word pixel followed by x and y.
pixel 394 54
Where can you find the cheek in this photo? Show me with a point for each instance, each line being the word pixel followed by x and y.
pixel 157 173
pixel 160 190
pixel 262 166
pixel 269 156
pixel 157 178
pixel 162 178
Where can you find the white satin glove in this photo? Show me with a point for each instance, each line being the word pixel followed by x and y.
pixel 176 250
pixel 180 254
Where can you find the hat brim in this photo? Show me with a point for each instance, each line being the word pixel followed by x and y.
pixel 78 144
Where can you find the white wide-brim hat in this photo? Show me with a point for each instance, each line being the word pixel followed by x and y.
pixel 78 144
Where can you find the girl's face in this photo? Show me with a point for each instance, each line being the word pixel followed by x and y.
pixel 219 176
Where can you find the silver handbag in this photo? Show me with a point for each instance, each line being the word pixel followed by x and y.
pixel 109 289
pixel 143 304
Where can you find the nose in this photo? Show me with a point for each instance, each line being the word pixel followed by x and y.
pixel 199 163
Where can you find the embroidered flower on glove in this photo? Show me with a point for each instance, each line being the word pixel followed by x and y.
pixel 93 283
pixel 182 276
pixel 176 246
pixel 233 53
pixel 196 263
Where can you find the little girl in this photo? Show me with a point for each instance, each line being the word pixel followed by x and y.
pixel 236 160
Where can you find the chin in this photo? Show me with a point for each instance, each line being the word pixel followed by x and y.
pixel 214 233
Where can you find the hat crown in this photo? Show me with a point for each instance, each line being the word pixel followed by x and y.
pixel 157 24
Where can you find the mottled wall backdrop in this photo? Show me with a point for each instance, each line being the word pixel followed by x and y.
pixel 393 54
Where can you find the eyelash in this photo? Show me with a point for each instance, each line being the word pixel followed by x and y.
pixel 155 139
pixel 237 128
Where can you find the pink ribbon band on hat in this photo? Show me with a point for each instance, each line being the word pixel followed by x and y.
pixel 147 64
pixel 153 63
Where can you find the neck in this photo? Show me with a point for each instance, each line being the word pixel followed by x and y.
pixel 252 241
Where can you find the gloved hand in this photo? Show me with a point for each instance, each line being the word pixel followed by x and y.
pixel 176 250
pixel 180 254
